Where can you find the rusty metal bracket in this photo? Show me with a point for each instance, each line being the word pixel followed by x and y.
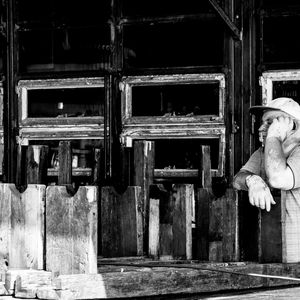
pixel 237 34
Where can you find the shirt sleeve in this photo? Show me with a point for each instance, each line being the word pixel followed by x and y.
pixel 293 162
pixel 255 163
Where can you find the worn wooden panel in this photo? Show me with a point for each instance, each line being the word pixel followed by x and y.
pixel 36 166
pixel 22 226
pixel 153 227
pixel 223 227
pixel 144 152
pixel 121 222
pixel 182 220
pixel 271 230
pixel 71 230
pixel 203 199
pixel 65 163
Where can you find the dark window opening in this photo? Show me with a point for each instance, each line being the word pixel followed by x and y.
pixel 290 89
pixel 65 102
pixel 156 8
pixel 67 11
pixel 174 45
pixel 184 153
pixel 44 49
pixel 279 42
pixel 176 100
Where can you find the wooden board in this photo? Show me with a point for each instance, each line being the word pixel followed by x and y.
pixel 22 226
pixel 223 228
pixel 71 230
pixel 121 222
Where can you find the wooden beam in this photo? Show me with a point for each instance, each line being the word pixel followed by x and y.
pixel 65 163
pixel 237 34
pixel 143 170
pixel 37 164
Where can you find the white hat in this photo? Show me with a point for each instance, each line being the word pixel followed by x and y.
pixel 286 105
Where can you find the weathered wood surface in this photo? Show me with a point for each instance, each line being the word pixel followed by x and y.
pixel 71 227
pixel 182 220
pixel 121 222
pixel 22 226
pixel 65 163
pixel 36 167
pixel 270 237
pixel 223 228
pixel 154 228
pixel 143 173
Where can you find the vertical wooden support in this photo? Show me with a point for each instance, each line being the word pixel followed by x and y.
pixel 203 199
pixel 37 164
pixel 71 230
pixel 143 176
pixel 121 222
pixel 154 231
pixel 65 163
pixel 98 169
pixel 182 221
pixel 271 236
pixel 22 226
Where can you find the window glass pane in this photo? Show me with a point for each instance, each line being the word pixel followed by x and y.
pixel 176 100
pixel 184 153
pixel 65 102
pixel 170 45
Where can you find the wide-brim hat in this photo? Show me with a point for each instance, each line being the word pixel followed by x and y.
pixel 287 105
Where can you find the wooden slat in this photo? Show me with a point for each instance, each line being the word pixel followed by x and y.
pixel 65 163
pixel 182 221
pixel 143 177
pixel 272 233
pixel 223 228
pixel 154 228
pixel 37 164
pixel 71 227
pixel 22 226
pixel 121 222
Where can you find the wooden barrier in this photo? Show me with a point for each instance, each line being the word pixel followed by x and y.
pixel 71 230
pixel 121 222
pixel 22 226
pixel 171 220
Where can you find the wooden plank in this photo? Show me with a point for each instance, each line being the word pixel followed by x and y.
pixel 223 228
pixel 121 222
pixel 205 167
pixel 98 169
pixel 71 226
pixel 143 177
pixel 65 163
pixel 22 226
pixel 182 221
pixel 203 199
pixel 154 228
pixel 36 164
pixel 171 281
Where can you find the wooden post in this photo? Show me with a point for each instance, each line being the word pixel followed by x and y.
pixel 71 230
pixel 121 222
pixel 143 176
pixel 65 163
pixel 154 231
pixel 182 221
pixel 203 199
pixel 37 164
pixel 98 169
